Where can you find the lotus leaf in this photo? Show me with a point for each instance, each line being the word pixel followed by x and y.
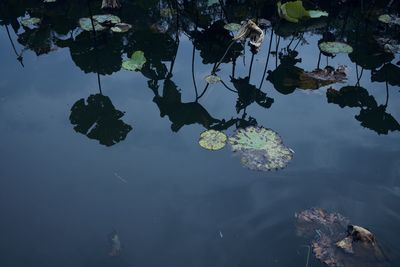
pixel 292 11
pixel 335 47
pixel 111 19
pixel 389 19
pixel 261 149
pixel 86 25
pixel 212 140
pixel 121 27
pixel 233 27
pixel 30 21
pixel 212 79
pixel 136 61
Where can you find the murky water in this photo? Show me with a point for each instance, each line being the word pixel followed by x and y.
pixel 144 174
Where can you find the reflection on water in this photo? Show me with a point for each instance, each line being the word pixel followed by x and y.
pixel 183 42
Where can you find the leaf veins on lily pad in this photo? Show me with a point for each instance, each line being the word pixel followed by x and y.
pixel 30 21
pixel 261 149
pixel 212 79
pixel 233 27
pixel 136 61
pixel 121 27
pixel 335 47
pixel 212 140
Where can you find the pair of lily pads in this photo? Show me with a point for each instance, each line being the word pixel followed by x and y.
pixel 294 11
pixel 104 22
pixel 260 148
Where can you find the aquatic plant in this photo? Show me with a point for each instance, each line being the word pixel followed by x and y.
pixel 260 148
pixel 294 11
pixel 335 48
pixel 212 140
pixel 136 61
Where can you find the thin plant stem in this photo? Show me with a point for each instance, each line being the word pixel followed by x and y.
pixel 266 63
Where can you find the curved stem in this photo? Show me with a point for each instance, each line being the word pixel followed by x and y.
pixel 227 87
pixel 204 91
pixel 266 63
pixel 222 58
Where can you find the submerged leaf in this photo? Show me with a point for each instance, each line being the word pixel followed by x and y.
pixel 212 140
pixel 211 79
pixel 233 27
pixel 136 61
pixel 261 149
pixel 30 21
pixel 335 47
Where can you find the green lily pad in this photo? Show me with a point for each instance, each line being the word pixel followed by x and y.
pixel 86 25
pixel 317 13
pixel 233 27
pixel 212 140
pixel 261 149
pixel 211 79
pixel 389 19
pixel 136 61
pixel 30 21
pixel 335 47
pixel 121 27
pixel 108 18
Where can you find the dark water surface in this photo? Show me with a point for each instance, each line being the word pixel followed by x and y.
pixel 177 204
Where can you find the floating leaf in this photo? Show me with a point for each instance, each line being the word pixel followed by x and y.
pixel 108 18
pixel 389 19
pixel 317 13
pixel 121 27
pixel 86 25
pixel 335 47
pixel 30 21
pixel 233 27
pixel 261 149
pixel 212 140
pixel 136 61
pixel 212 79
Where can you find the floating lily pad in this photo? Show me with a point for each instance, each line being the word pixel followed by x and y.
pixel 212 140
pixel 261 149
pixel 389 19
pixel 30 21
pixel 212 79
pixel 136 61
pixel 108 18
pixel 335 47
pixel 86 25
pixel 233 27
pixel 121 27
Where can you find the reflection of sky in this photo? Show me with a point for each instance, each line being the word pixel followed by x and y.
pixel 60 195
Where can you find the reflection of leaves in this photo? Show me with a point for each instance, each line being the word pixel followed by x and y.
pixel 179 113
pixel 98 119
pixel 367 51
pixel 104 59
pixel 351 96
pixel 378 120
pixel 38 40
pixel 285 78
pixel 213 43
pixel 389 73
pixel 248 94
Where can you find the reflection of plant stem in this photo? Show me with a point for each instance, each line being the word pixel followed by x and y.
pixel 95 43
pixel 319 60
pixel 19 56
pixel 251 64
pixel 193 54
pixel 204 91
pixel 266 62
pixel 359 76
pixel 99 83
pixel 222 58
pixel 387 93
pixel 233 68
pixel 227 87
pixel 277 40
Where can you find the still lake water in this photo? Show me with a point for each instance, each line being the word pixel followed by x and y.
pixel 172 202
